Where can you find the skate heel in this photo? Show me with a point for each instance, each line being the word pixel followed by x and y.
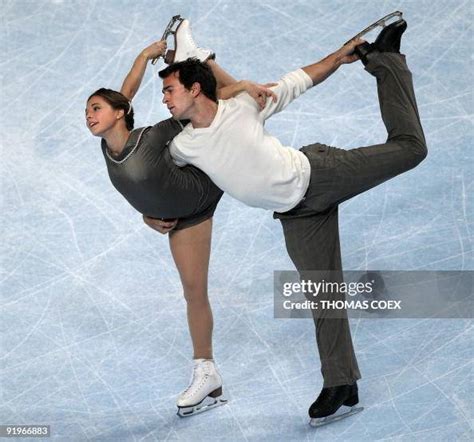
pixel 216 393
pixel 169 57
pixel 353 400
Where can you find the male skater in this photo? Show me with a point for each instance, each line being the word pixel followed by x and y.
pixel 227 140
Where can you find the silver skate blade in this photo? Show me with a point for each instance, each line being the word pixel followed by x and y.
pixel 172 27
pixel 206 404
pixel 342 413
pixel 382 23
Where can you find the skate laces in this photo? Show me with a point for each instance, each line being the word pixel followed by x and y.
pixel 206 374
pixel 190 38
pixel 189 35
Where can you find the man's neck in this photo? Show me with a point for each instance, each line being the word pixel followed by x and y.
pixel 204 114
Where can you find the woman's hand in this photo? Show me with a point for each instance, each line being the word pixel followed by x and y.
pixel 155 50
pixel 259 92
pixel 159 225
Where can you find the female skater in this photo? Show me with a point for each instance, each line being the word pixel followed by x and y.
pixel 180 201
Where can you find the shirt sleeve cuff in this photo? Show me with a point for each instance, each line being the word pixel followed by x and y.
pixel 305 78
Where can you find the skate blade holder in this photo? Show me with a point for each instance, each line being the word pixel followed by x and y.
pixel 171 29
pixel 384 21
pixel 206 404
pixel 340 414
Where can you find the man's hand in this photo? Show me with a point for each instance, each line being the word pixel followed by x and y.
pixel 159 225
pixel 346 54
pixel 155 50
pixel 259 92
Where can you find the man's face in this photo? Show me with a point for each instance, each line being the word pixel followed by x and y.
pixel 177 98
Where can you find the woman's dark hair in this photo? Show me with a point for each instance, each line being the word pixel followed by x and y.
pixel 194 71
pixel 117 101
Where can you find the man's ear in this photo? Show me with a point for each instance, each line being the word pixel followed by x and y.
pixel 196 89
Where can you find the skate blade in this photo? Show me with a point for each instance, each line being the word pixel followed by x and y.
pixel 205 405
pixel 340 414
pixel 171 29
pixel 384 21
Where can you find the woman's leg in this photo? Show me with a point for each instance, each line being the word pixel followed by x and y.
pixel 191 248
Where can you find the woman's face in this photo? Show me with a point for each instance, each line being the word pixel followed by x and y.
pixel 101 117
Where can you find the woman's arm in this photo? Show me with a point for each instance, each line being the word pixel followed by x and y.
pixel 223 77
pixel 132 81
pixel 259 92
pixel 228 86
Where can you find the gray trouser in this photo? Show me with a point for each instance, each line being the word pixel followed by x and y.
pixel 311 229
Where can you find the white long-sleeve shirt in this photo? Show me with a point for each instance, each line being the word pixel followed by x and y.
pixel 241 157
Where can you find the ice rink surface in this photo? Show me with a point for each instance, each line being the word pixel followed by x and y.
pixel 93 328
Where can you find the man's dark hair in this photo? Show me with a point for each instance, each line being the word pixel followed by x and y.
pixel 192 71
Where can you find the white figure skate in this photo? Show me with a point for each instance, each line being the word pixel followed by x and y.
pixel 184 45
pixel 204 391
pixel 384 21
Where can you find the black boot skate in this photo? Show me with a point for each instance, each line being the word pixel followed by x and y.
pixel 334 403
pixel 387 41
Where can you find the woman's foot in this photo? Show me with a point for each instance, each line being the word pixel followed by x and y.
pixel 204 391
pixel 185 47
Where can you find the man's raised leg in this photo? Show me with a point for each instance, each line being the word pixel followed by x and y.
pixel 339 174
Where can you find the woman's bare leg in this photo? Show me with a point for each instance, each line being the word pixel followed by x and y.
pixel 191 250
pixel 223 78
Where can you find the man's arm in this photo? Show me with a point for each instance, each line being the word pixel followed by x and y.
pixel 132 81
pixel 318 72
pixel 295 83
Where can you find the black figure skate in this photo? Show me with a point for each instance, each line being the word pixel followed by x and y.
pixel 383 22
pixel 333 404
pixel 388 39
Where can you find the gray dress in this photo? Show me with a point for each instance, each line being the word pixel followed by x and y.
pixel 145 174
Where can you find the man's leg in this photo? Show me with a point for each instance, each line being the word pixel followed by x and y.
pixel 191 248
pixel 338 174
pixel 313 244
pixel 311 230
